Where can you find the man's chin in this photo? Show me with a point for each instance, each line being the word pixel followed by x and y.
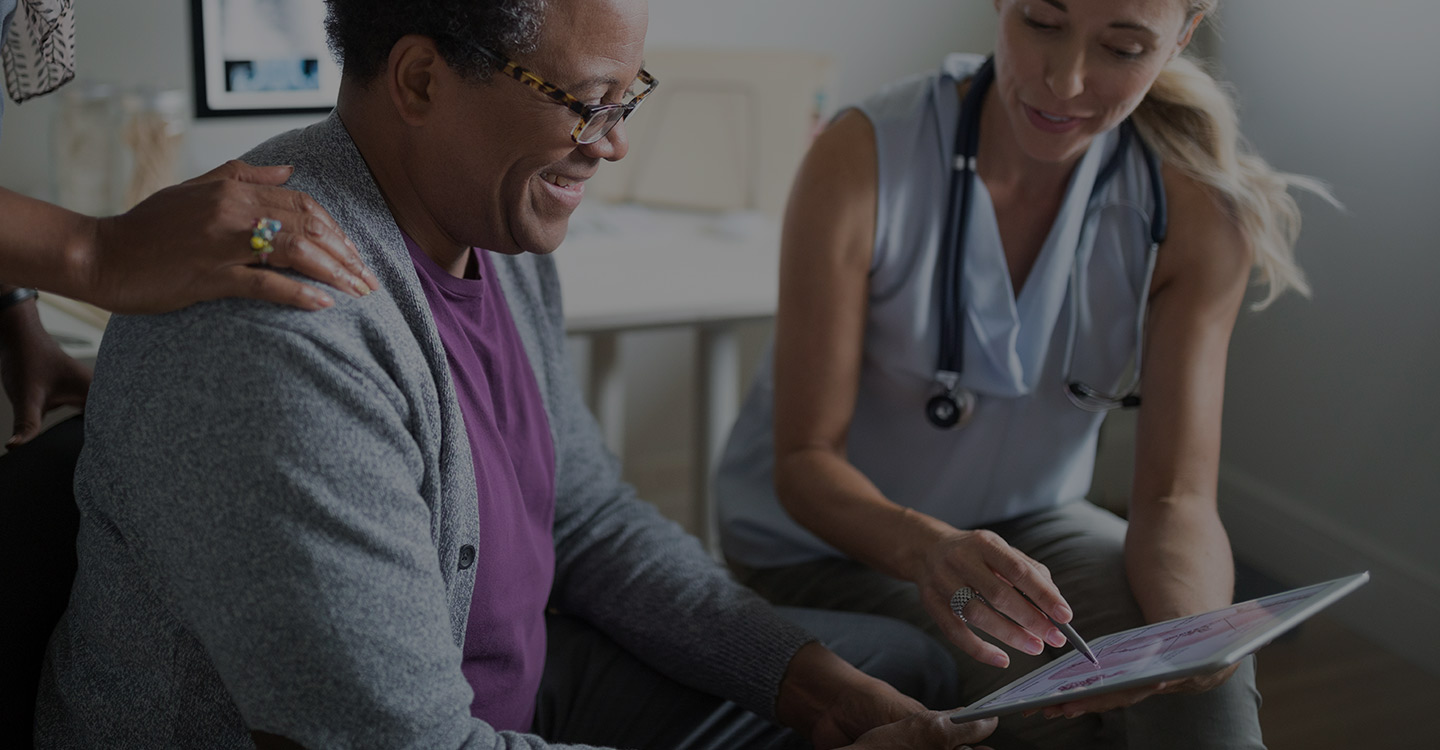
pixel 543 241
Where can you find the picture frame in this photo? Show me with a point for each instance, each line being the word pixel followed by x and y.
pixel 261 57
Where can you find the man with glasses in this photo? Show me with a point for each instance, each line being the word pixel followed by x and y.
pixel 393 523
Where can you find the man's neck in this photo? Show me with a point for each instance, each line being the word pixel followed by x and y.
pixel 369 129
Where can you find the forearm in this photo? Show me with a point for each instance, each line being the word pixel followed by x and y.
pixel 829 496
pixel 1177 557
pixel 43 245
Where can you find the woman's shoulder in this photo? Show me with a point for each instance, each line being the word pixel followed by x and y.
pixel 1205 242
pixel 906 98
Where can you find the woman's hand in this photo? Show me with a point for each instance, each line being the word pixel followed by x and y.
pixel 191 242
pixel 987 564
pixel 925 730
pixel 37 375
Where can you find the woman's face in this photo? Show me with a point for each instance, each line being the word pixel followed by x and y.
pixel 1067 70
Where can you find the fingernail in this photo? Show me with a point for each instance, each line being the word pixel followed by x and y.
pixel 1063 613
pixel 1034 647
pixel 371 279
pixel 1000 660
pixel 361 289
pixel 1052 713
pixel 1073 714
pixel 1055 637
pixel 322 299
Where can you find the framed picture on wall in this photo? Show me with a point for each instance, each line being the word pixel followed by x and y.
pixel 261 57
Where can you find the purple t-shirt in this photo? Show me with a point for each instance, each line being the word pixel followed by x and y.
pixel 515 476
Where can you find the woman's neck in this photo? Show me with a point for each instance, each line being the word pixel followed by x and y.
pixel 1003 164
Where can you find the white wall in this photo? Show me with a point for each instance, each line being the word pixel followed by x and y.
pixel 1332 419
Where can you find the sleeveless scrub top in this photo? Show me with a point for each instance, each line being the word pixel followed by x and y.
pixel 1027 448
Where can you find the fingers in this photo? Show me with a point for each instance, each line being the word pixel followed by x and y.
pixel 1008 616
pixel 1018 571
pixel 312 242
pixel 983 616
pixel 974 731
pixel 958 633
pixel 239 170
pixel 27 420
pixel 262 284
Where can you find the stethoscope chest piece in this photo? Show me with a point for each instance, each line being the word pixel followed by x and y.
pixel 951 408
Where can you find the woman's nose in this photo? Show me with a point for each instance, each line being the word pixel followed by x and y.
pixel 1065 74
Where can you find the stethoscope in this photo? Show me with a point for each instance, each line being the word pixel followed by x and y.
pixel 953 405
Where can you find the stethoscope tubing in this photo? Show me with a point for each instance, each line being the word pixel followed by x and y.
pixel 953 405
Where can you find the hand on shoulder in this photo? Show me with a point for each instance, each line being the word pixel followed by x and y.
pixel 192 242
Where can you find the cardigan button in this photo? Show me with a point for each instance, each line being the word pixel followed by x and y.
pixel 467 556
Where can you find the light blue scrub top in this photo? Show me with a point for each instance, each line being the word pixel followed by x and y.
pixel 1027 448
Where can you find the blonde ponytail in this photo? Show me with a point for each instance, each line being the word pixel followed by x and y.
pixel 1191 123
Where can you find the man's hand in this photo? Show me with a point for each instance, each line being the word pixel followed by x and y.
pixel 37 375
pixel 835 704
pixel 923 731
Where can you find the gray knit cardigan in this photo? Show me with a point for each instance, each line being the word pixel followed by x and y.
pixel 274 504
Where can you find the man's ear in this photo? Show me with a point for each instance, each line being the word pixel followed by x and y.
pixel 411 76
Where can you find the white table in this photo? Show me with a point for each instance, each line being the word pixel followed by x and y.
pixel 627 268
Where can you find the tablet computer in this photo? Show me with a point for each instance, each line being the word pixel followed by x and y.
pixel 1164 651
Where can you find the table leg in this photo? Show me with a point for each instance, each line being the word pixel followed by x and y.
pixel 606 389
pixel 718 390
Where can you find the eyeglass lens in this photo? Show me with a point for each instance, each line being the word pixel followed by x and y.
pixel 601 124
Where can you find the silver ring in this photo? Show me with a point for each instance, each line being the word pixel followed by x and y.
pixel 960 598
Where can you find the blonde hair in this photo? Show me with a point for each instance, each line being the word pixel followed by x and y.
pixel 1189 119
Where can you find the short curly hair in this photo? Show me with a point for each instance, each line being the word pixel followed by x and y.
pixel 361 33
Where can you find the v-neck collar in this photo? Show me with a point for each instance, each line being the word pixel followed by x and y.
pixel 1007 337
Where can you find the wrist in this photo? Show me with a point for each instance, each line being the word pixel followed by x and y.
pixel 78 259
pixel 17 304
pixel 921 534
pixel 19 323
pixel 815 683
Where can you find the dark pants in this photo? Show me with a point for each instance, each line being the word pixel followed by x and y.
pixel 38 520
pixel 594 692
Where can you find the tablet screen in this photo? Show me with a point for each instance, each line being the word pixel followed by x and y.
pixel 1157 652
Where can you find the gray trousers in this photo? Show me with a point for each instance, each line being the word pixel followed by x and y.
pixel 1083 546
pixel 594 692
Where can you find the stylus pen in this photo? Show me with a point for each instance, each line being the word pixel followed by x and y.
pixel 1070 634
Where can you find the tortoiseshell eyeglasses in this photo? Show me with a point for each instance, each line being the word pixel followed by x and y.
pixel 596 120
